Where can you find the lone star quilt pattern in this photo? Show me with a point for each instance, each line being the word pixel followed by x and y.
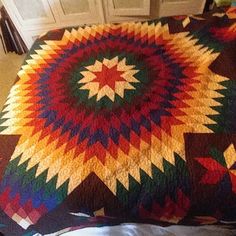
pixel 129 122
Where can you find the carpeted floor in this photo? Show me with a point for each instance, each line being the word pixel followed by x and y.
pixel 9 66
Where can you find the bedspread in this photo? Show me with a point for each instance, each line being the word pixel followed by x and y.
pixel 129 122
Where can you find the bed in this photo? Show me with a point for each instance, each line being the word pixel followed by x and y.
pixel 126 127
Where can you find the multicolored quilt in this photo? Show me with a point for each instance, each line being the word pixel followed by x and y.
pixel 130 122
